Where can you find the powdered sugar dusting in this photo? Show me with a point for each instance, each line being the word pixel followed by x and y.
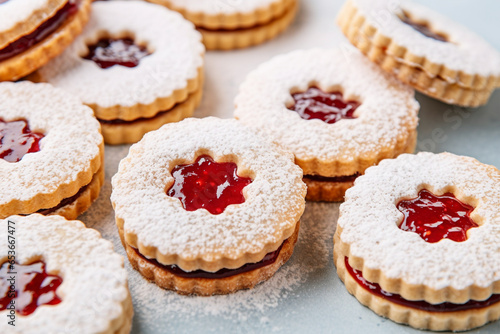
pixel 67 149
pixel 13 12
pixel 370 219
pixel 387 113
pixel 177 53
pixel 94 280
pixel 466 51
pixel 274 201
pixel 214 7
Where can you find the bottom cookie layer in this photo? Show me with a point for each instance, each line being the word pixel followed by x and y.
pixel 205 286
pixel 129 132
pixel 70 208
pixel 243 38
pixel 327 191
pixel 436 321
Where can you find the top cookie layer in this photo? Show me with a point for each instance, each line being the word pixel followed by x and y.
pixel 177 56
pixel 465 51
pixel 20 17
pixel 222 6
pixel 69 153
pixel 94 280
pixel 161 228
pixel 386 118
pixel 402 262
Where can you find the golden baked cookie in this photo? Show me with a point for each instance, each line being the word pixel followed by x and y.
pixel 56 274
pixel 135 63
pixel 338 116
pixel 33 33
pixel 51 151
pixel 206 206
pixel 424 49
pixel 417 241
pixel 227 25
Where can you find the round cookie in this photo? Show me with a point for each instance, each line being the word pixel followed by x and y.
pixel 134 63
pixel 424 49
pixel 201 214
pixel 51 150
pixel 33 33
pixel 64 275
pixel 417 241
pixel 227 25
pixel 338 116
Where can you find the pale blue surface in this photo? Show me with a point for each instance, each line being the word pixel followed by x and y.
pixel 320 304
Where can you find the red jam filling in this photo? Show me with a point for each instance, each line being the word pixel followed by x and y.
pixel 328 107
pixel 206 184
pixel 16 140
pixel 436 217
pixel 424 29
pixel 340 179
pixel 268 259
pixel 375 289
pixel 108 52
pixel 44 30
pixel 33 287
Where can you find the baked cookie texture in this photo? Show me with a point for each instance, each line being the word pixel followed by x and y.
pixel 165 86
pixel 66 174
pixel 156 227
pixel 94 282
pixel 384 124
pixel 402 262
pixel 227 25
pixel 18 20
pixel 461 69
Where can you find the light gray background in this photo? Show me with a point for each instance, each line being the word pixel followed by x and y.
pixel 306 294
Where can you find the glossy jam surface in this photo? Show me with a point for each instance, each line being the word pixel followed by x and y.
pixel 436 217
pixel 268 259
pixel 33 287
pixel 16 140
pixel 108 52
pixel 423 28
pixel 44 30
pixel 206 184
pixel 328 107
pixel 375 289
pixel 340 179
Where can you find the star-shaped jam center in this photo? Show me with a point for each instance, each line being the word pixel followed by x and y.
pixel 108 52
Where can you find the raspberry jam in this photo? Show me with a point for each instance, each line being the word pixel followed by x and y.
pixel 16 140
pixel 436 217
pixel 33 287
pixel 108 52
pixel 328 107
pixel 339 179
pixel 43 31
pixel 375 289
pixel 423 28
pixel 206 184
pixel 268 259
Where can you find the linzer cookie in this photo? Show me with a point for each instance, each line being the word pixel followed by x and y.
pixel 138 65
pixel 51 152
pixel 229 24
pixel 56 276
pixel 435 55
pixel 338 116
pixel 417 241
pixel 32 33
pixel 205 206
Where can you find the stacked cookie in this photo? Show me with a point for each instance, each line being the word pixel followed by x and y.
pixel 227 24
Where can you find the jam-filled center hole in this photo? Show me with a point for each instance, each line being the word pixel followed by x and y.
pixel 27 287
pixel 108 52
pixel 329 107
pixel 423 27
pixel 206 184
pixel 17 139
pixel 435 218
